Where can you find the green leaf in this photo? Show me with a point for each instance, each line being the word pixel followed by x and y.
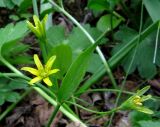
pixel 15 52
pixel 2 4
pixel 46 8
pixel 99 5
pixel 11 32
pixel 17 2
pixel 75 75
pixel 135 117
pixel 57 35
pixel 144 56
pixel 104 23
pixel 9 4
pixel 152 8
pixel 149 123
pixel 12 96
pixel 63 60
pixel 94 64
pixel 7 88
pixel 142 91
pixel 2 100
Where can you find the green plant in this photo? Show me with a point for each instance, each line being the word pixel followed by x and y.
pixel 78 53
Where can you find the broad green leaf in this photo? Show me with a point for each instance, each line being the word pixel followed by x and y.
pixel 11 32
pixel 104 23
pixel 94 64
pixel 99 5
pixel 17 2
pixel 149 123
pixel 15 53
pixel 8 87
pixel 76 39
pixel 144 56
pixel 75 74
pixel 46 8
pixel 2 4
pixel 9 4
pixel 2 100
pixel 135 117
pixel 25 5
pixel 63 60
pixel 152 8
pixel 12 96
pixel 56 35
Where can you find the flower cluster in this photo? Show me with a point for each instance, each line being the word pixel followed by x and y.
pixel 135 102
pixel 39 29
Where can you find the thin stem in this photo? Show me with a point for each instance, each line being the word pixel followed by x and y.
pixel 93 111
pixel 106 90
pixel 127 73
pixel 11 67
pixel 43 48
pixel 9 74
pixel 53 115
pixel 35 8
pixel 156 45
pixel 13 105
pixel 91 40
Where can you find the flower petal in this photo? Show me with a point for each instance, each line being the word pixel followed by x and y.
pixel 144 110
pixel 47 81
pixel 53 71
pixel 31 70
pixel 49 63
pixel 38 62
pixel 34 80
pixel 43 23
pixel 36 20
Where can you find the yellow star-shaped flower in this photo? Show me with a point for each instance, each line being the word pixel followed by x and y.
pixel 42 72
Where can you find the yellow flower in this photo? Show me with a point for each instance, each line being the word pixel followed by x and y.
pixel 39 29
pixel 135 102
pixel 42 72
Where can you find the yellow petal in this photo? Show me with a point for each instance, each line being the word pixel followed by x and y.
pixel 53 71
pixel 31 70
pixel 47 81
pixel 36 20
pixel 49 63
pixel 44 24
pixel 38 62
pixel 33 29
pixel 36 79
pixel 38 24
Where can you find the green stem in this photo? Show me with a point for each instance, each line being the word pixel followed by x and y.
pixel 91 40
pixel 93 111
pixel 53 102
pixel 35 8
pixel 13 105
pixel 156 45
pixel 43 48
pixel 5 62
pixel 106 90
pixel 53 115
